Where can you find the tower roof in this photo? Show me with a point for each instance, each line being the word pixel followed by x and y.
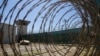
pixel 22 22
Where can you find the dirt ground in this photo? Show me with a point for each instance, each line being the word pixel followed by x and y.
pixel 40 49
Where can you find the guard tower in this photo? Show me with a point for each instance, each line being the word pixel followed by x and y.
pixel 22 26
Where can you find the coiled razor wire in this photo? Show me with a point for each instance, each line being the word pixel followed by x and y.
pixel 54 19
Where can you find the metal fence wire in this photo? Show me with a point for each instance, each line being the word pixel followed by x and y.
pixel 65 28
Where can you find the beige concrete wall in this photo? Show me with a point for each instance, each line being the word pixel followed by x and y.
pixel 9 34
pixel 22 29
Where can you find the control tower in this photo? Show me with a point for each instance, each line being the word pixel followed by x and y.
pixel 22 26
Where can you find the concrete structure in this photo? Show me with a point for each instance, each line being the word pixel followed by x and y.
pixel 21 29
pixel 7 33
pixel 22 26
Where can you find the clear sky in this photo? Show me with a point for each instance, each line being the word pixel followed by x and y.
pixel 57 12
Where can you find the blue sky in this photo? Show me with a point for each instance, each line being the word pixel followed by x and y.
pixel 33 14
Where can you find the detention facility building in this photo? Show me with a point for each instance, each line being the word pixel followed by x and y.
pixel 15 33
pixel 8 32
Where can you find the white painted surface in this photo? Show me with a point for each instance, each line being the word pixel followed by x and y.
pixel 9 33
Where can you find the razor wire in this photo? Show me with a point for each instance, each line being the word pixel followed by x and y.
pixel 84 14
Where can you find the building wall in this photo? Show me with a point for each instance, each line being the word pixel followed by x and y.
pixel 22 29
pixel 9 33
